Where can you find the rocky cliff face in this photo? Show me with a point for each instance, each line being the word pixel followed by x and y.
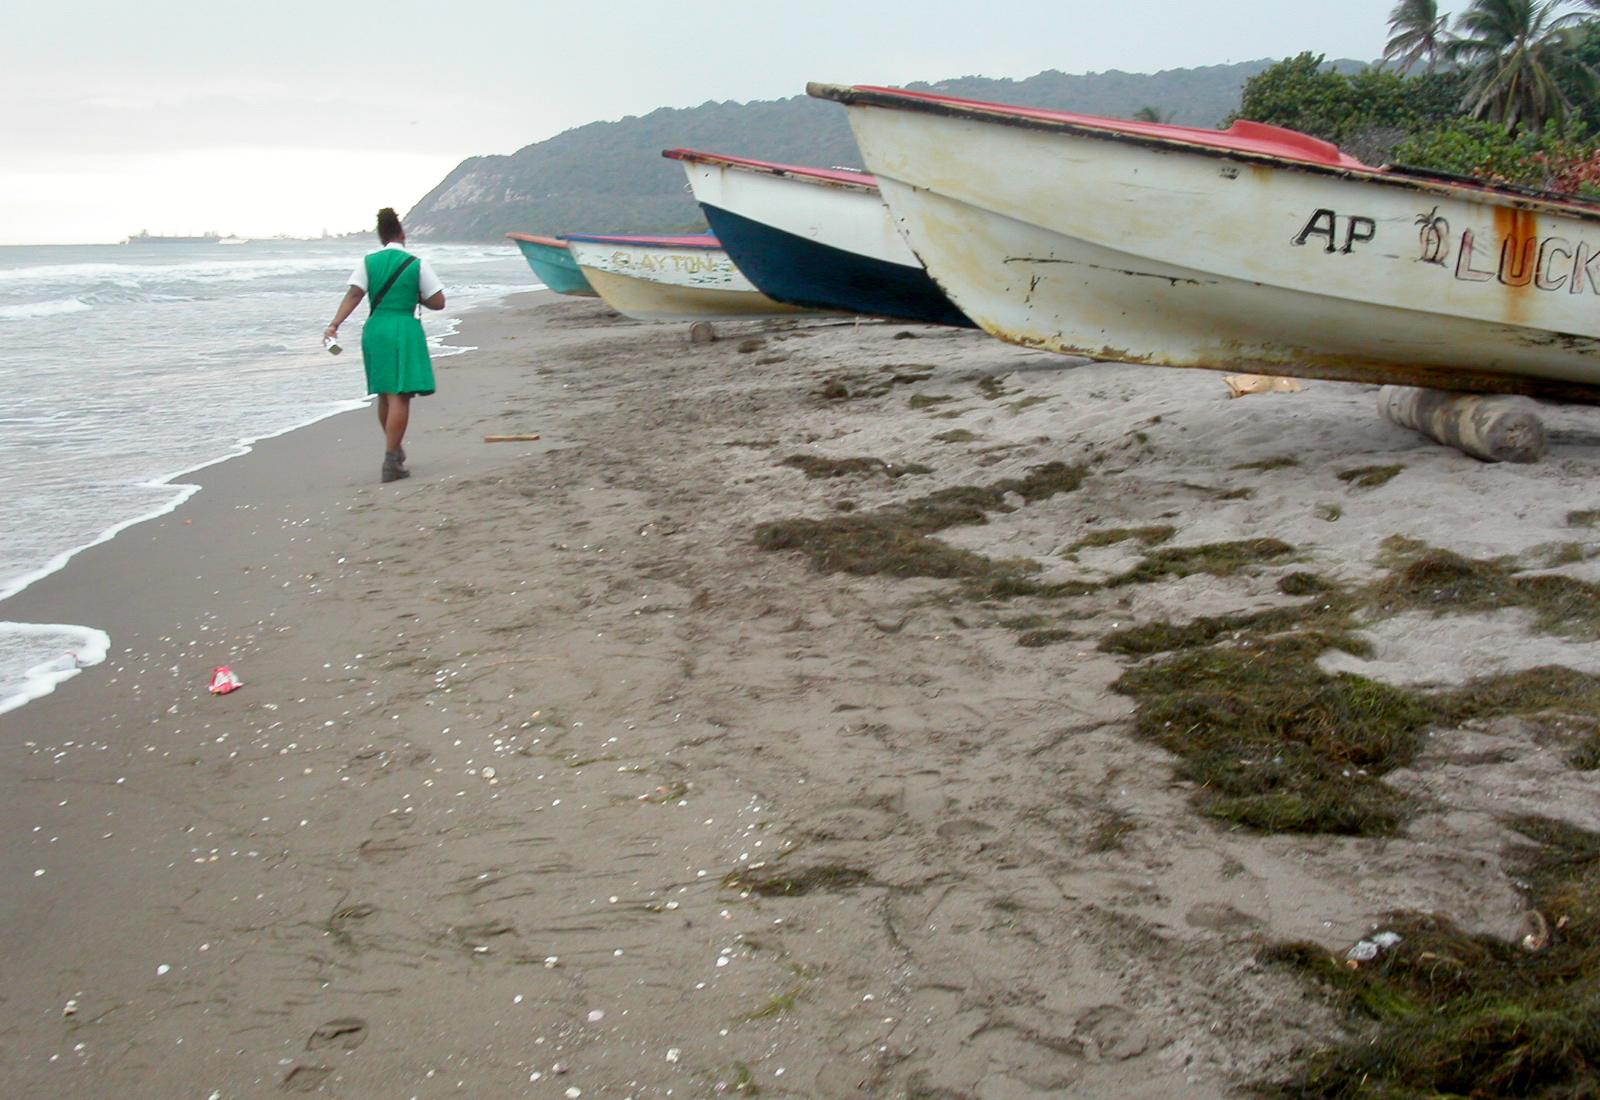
pixel 609 177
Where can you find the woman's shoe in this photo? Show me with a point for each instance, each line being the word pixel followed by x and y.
pixel 393 466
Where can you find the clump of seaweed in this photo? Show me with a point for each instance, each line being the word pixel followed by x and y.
pixel 1586 757
pixel 1328 622
pixel 1583 518
pixel 818 466
pixel 1448 1013
pixel 1274 742
pixel 1279 744
pixel 1110 831
pixel 928 400
pixel 900 374
pixel 1440 581
pixel 1280 462
pixel 872 544
pixel 1369 477
pixel 1303 584
pixel 895 540
pixel 956 435
pixel 1038 639
pixel 1220 559
pixel 1149 536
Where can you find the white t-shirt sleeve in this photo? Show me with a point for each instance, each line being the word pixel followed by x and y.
pixel 428 283
pixel 358 277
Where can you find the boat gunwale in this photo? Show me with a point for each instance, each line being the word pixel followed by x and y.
pixel 844 178
pixel 1484 192
pixel 705 243
pixel 531 238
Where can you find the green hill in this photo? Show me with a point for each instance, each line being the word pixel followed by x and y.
pixel 610 177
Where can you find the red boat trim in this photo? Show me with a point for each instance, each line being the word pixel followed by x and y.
pixel 843 176
pixel 531 239
pixel 1256 144
pixel 702 241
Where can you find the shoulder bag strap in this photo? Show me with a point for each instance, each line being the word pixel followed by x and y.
pixel 378 297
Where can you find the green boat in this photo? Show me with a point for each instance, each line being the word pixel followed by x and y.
pixel 552 264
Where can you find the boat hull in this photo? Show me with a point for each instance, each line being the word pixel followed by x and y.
pixel 1167 256
pixel 552 265
pixel 813 242
pixel 673 284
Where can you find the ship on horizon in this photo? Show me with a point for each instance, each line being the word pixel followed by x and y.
pixel 144 236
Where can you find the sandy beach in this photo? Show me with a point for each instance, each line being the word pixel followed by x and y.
pixel 547 780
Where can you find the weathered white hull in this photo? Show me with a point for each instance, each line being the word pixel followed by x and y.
pixel 851 219
pixel 672 284
pixel 1165 255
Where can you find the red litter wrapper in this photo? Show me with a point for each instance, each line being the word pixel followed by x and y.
pixel 223 681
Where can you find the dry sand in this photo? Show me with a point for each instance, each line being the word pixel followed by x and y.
pixel 509 727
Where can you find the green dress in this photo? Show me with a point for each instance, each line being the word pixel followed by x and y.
pixel 392 344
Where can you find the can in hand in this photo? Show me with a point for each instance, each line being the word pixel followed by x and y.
pixel 332 344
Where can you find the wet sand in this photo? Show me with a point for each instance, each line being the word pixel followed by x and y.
pixel 545 779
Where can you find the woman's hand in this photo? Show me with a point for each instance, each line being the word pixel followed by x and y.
pixel 347 305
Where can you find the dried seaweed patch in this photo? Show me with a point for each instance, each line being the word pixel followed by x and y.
pixel 1369 477
pixel 1146 536
pixel 1448 1013
pixel 819 466
pixel 1220 559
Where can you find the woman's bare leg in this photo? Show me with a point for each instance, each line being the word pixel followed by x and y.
pixel 395 419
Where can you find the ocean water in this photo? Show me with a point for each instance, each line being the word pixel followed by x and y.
pixel 125 367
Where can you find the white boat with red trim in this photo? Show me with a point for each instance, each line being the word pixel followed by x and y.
pixel 1251 249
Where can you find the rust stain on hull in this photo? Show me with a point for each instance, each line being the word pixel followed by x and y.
pixel 1518 233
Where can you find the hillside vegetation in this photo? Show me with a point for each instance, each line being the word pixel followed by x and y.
pixel 609 176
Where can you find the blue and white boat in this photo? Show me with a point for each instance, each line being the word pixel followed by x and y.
pixel 553 265
pixel 821 238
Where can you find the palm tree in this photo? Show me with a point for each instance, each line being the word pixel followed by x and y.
pixel 1417 33
pixel 1516 52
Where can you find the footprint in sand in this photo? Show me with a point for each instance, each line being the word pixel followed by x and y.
pixel 306 1078
pixel 345 1033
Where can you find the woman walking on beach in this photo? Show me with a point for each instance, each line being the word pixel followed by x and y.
pixel 392 344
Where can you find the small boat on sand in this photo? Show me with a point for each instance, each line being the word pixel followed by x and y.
pixel 552 264
pixel 670 279
pixel 815 237
pixel 1253 249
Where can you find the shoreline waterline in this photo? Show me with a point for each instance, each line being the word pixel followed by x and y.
pixel 26 682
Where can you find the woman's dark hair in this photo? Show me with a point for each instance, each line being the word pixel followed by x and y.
pixel 389 225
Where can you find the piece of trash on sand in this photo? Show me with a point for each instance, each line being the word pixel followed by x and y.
pixel 1243 385
pixel 1538 936
pixel 532 437
pixel 1374 945
pixel 223 681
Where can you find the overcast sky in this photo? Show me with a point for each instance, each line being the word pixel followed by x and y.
pixel 287 117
